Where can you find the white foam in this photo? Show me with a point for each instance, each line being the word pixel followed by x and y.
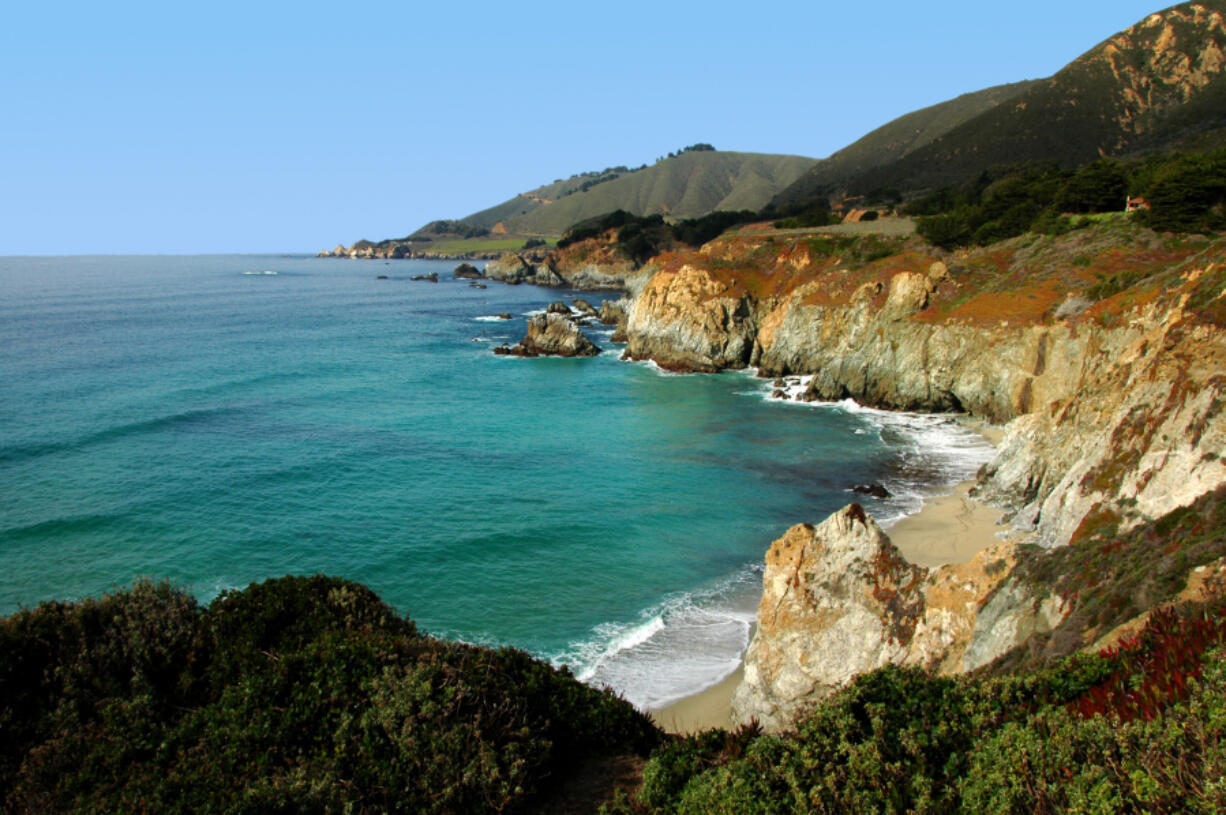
pixel 935 451
pixel 491 318
pixel 682 645
pixel 655 367
pixel 618 638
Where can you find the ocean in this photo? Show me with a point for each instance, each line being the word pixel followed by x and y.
pixel 219 420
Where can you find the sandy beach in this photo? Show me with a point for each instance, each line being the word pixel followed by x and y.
pixel 705 710
pixel 949 528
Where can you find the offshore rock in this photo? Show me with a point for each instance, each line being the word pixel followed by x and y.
pixel 466 271
pixel 615 313
pixel 839 600
pixel 551 335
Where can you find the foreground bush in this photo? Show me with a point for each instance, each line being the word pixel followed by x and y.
pixel 296 695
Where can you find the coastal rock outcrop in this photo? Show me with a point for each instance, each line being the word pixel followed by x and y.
pixel 839 600
pixel 588 265
pixel 467 271
pixel 551 335
pixel 514 269
pixel 686 320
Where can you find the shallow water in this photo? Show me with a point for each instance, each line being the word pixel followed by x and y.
pixel 219 420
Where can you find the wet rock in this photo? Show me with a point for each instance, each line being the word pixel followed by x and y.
pixel 613 312
pixel 875 490
pixel 551 335
pixel 466 271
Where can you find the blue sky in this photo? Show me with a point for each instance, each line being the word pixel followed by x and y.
pixel 225 127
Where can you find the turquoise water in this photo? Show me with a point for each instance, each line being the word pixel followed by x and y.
pixel 221 420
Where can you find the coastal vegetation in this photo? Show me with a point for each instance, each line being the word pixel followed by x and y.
pixel 300 694
pixel 309 694
pixel 1183 192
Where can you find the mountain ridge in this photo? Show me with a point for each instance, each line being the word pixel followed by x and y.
pixel 1113 97
pixel 688 185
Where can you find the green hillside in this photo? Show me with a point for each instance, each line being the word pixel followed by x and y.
pixel 898 138
pixel 688 185
pixel 1153 86
pixel 544 195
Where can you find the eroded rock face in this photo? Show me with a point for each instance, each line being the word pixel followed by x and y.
pixel 551 334
pixel 514 268
pixel 839 600
pixel 1140 434
pixel 683 321
pixel 588 266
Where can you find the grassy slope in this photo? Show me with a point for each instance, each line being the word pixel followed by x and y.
pixel 897 138
pixel 487 218
pixel 686 186
pixel 490 243
pixel 1071 118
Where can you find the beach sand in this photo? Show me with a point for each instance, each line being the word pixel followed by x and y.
pixel 704 710
pixel 947 529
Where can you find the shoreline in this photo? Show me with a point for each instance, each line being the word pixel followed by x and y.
pixel 950 527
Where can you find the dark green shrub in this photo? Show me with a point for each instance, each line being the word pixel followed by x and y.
pixel 295 695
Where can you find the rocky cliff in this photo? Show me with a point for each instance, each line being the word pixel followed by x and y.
pixel 1113 401
pixel 839 600
pixel 1104 351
